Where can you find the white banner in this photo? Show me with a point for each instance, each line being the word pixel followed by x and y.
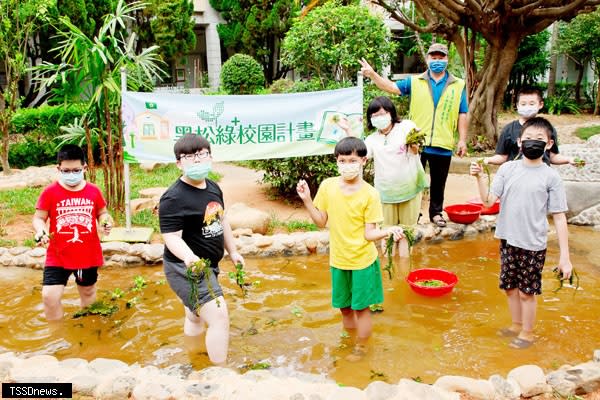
pixel 239 128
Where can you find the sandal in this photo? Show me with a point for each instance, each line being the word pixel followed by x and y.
pixel 507 332
pixel 439 221
pixel 519 343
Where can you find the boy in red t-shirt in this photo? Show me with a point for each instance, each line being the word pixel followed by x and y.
pixel 75 208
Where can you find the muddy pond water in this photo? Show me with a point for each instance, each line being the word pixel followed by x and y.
pixel 286 320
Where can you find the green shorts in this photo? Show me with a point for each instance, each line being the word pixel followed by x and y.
pixel 357 289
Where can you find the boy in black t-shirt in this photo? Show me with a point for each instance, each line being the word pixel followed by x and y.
pixel 195 229
pixel 529 103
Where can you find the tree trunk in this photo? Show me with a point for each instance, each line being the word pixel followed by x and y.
pixel 90 153
pixel 580 70
pixel 597 108
pixel 4 145
pixel 553 60
pixel 487 99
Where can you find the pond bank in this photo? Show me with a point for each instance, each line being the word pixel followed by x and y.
pixel 113 379
pixel 248 243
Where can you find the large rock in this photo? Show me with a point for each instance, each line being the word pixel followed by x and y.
pixel 531 380
pixel 241 216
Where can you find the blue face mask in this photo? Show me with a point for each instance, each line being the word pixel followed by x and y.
pixel 197 171
pixel 438 66
pixel 71 178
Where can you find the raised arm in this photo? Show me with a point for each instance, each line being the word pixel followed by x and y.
pixel 318 216
pixel 382 83
pixel 483 184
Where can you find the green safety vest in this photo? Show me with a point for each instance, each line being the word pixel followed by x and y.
pixel 439 124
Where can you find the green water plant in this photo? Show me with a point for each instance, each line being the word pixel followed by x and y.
pixel 415 136
pixel 409 234
pixel 99 307
pixel 195 272
pixel 486 169
pixel 579 162
pixel 573 279
pixel 430 283
pixel 239 278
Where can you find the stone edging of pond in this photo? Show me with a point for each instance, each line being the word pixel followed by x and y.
pixel 119 254
pixel 109 379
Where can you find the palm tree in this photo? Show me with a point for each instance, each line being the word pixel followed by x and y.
pixel 89 72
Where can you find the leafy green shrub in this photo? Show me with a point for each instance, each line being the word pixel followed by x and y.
pixel 242 74
pixel 563 103
pixel 281 86
pixel 34 132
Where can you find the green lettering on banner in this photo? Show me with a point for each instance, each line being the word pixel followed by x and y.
pixel 306 131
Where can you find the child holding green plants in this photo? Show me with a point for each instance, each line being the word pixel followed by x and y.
pixel 399 175
pixel 528 190
pixel 352 208
pixel 75 210
pixel 196 232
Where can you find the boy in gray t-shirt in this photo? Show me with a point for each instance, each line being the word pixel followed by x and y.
pixel 529 190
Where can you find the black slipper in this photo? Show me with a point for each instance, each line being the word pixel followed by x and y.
pixel 519 343
pixel 439 221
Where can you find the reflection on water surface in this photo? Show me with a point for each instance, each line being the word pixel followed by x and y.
pixel 287 321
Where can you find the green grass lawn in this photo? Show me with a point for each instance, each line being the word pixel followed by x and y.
pixel 588 131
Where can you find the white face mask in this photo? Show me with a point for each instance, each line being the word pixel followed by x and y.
pixel 349 171
pixel 381 121
pixel 527 111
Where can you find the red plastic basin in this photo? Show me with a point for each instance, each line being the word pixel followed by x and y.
pixel 494 209
pixel 463 213
pixel 449 278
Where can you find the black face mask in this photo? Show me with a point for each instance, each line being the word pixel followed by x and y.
pixel 533 149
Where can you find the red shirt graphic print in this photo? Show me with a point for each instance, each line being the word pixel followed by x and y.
pixel 74 241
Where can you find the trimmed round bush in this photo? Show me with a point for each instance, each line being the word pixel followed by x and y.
pixel 242 74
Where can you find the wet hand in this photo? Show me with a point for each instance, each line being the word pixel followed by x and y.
pixel 366 69
pixel 236 258
pixel 397 232
pixel 190 259
pixel 475 169
pixel 303 190
pixel 107 224
pixel 42 238
pixel 344 124
pixel 566 268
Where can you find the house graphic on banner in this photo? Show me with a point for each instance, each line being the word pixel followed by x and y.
pixel 151 126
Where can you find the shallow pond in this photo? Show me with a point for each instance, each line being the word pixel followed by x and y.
pixel 287 320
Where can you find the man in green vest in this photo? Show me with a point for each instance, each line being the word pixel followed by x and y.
pixel 438 105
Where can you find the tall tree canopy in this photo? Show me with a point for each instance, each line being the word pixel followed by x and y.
pixel 18 22
pixel 257 27
pixel 326 43
pixel 503 24
pixel 579 40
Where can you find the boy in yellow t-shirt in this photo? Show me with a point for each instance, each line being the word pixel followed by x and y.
pixel 353 210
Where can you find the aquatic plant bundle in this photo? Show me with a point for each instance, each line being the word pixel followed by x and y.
pixel 195 272
pixel 415 136
pixel 430 283
pixel 573 279
pixel 239 276
pixel 579 162
pixel 486 169
pixel 409 234
pixel 389 246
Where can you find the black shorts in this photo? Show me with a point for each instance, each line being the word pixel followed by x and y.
pixel 521 269
pixel 60 276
